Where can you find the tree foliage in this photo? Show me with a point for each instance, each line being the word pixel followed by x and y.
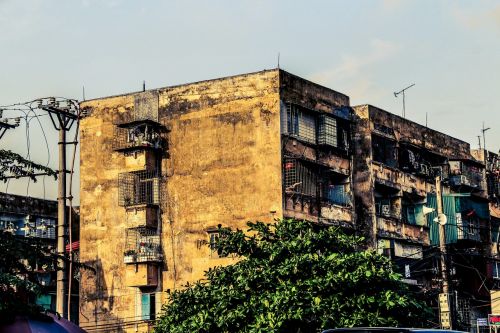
pixel 293 276
pixel 14 165
pixel 21 260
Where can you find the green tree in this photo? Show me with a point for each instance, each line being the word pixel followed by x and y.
pixel 293 276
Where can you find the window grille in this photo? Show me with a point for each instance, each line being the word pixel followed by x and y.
pixel 468 229
pixel 301 123
pixel 146 106
pixel 138 188
pixel 327 131
pixel 142 244
pixel 300 177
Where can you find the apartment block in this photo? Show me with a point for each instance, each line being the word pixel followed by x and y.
pixel 161 169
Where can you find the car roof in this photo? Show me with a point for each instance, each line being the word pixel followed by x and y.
pixel 388 330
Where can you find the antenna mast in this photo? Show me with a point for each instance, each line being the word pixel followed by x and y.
pixel 403 92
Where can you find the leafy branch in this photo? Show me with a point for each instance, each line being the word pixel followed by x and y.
pixel 13 165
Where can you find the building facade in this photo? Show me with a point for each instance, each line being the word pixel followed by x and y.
pixel 161 169
pixel 36 218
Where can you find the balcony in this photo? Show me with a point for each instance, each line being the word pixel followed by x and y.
pixel 142 245
pixel 139 135
pixel 139 188
pixel 466 175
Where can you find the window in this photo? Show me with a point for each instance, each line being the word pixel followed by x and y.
pixel 148 306
pixel 496 270
pixel 300 177
pixel 336 189
pixel 212 243
pixel 301 123
pixel 383 207
pixel 45 228
pixel 387 201
pixel 327 131
pixel 384 151
pixel 412 210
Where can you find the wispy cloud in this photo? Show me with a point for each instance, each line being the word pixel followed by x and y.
pixel 352 65
pixel 474 19
pixel 355 71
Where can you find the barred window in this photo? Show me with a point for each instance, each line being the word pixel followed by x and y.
pixel 301 123
pixel 300 177
pixel 327 131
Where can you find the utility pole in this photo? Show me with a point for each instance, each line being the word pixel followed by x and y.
pixel 62 218
pixel 444 297
pixel 62 114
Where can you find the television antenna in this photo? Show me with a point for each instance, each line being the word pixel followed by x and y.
pixel 402 91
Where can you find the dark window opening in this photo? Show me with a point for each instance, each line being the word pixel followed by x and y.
pixel 412 210
pixel 213 238
pixel 336 189
pixel 387 202
pixel 384 151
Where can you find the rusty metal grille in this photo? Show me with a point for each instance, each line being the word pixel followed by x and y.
pixel 327 131
pixel 146 106
pixel 142 244
pixel 301 123
pixel 138 188
pixel 300 177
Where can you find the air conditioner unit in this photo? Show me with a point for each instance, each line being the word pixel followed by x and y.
pixel 386 210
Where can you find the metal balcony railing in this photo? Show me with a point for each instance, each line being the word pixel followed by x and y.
pixel 139 188
pixel 142 245
pixel 139 136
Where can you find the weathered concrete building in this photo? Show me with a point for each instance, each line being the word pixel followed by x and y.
pixel 395 165
pixel 161 169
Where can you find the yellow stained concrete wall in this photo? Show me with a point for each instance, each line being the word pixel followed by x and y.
pixel 223 167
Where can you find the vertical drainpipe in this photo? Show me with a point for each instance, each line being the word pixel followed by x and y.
pixel 352 128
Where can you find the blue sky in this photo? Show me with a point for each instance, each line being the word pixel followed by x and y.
pixel 365 49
